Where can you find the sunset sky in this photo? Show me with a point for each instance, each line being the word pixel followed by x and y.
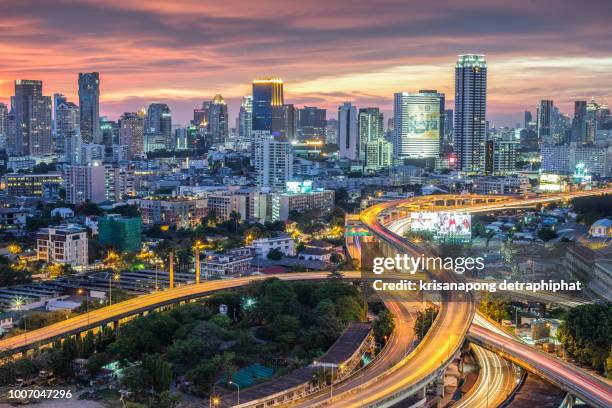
pixel 184 51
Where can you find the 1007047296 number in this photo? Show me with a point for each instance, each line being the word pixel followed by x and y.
pixel 37 393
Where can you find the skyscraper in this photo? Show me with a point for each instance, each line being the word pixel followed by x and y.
pixel 68 133
pixel 131 133
pixel 268 101
pixel 290 121
pixel 528 119
pixel 218 121
pixel 544 122
pixel 245 118
pixel 470 112
pixel 331 131
pixel 89 105
pixel 370 124
pixel 416 125
pixel 3 124
pixel 448 131
pixel 311 123
pixel 32 120
pixel 158 125
pixel 579 122
pixel 348 137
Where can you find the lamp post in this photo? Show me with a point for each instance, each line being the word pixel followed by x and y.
pixel 197 247
pixel 238 388
pixel 86 302
pixel 110 287
pixel 213 401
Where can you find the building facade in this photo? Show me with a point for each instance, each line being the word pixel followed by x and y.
pixel 470 128
pixel 63 244
pixel 123 232
pixel 268 101
pixel 348 136
pixel 416 125
pixel 89 104
pixel 174 211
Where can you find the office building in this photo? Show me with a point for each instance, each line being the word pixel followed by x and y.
pixel 509 185
pixel 300 197
pixel 110 131
pixel 501 156
pixel 370 127
pixel 348 135
pixel 331 131
pixel 30 185
pixel 67 131
pixel 312 122
pixel 231 263
pixel 32 126
pixel 245 118
pixel 4 124
pixel 89 104
pixel 469 132
pixel 563 159
pixel 544 122
pixel 379 154
pixel 447 137
pixel 158 127
pixel 85 183
pixel 218 120
pixel 223 203
pixel 579 123
pixel 122 232
pixel 64 245
pixel 273 160
pixel 178 212
pixel 131 133
pixel 268 101
pixel 416 124
pixel 527 119
pixel 290 119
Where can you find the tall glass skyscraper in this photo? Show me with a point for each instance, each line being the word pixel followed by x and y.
pixel 370 123
pixel 245 118
pixel 218 120
pixel 89 105
pixel 268 104
pixel 32 120
pixel 158 126
pixel 470 112
pixel 544 122
pixel 416 125
pixel 312 122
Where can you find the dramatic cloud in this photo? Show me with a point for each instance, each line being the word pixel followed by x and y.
pixel 328 52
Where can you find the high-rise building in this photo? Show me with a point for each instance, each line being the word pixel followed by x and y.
pixel 448 130
pixel 158 125
pixel 379 154
pixel 218 121
pixel 245 118
pixel 58 99
pixel 348 136
pixel 312 122
pixel 110 131
pixel 470 128
pixel 3 124
pixel 131 133
pixel 273 162
pixel 579 124
pixel 370 124
pixel 331 131
pixel 544 121
pixel 68 132
pixel 527 119
pixel 201 116
pixel 85 183
pixel 416 125
pixel 89 104
pixel 290 121
pixel 501 156
pixel 32 111
pixel 268 101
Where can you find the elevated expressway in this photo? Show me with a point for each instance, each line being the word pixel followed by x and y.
pixel 456 314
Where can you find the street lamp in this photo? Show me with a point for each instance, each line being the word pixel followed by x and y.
pixel 213 401
pixel 110 287
pixel 80 291
pixel 197 247
pixel 238 387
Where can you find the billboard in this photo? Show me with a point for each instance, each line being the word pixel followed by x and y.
pixel 444 225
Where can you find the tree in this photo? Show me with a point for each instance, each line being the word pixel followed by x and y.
pixel 160 372
pixel 383 326
pixel 275 254
pixel 495 308
pixel 95 363
pixel 136 379
pixel 424 321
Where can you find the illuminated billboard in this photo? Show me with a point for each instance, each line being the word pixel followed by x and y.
pixel 418 124
pixel 445 226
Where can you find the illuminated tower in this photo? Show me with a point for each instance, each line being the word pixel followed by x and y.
pixel 268 104
pixel 470 112
pixel 218 120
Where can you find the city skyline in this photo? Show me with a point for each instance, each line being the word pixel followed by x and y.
pixel 186 54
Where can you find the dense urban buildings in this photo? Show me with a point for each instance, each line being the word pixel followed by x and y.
pixel 469 132
pixel 32 116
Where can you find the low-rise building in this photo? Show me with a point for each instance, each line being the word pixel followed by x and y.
pixel 601 229
pixel 301 197
pixel 30 185
pixel 63 244
pixel 501 185
pixel 174 211
pixel 229 264
pixel 284 243
pixel 124 232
